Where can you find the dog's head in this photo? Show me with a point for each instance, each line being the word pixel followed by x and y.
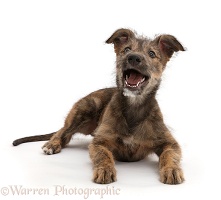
pixel 141 61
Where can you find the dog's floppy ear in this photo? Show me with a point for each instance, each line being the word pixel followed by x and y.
pixel 168 44
pixel 120 37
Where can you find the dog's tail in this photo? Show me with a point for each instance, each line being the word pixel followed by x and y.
pixel 33 139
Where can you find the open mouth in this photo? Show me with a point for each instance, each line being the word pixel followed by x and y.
pixel 134 79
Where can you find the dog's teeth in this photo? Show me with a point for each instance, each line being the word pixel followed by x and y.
pixel 140 82
pixel 133 86
pixel 127 77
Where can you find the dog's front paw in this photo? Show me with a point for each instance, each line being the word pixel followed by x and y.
pixel 169 175
pixel 50 148
pixel 104 175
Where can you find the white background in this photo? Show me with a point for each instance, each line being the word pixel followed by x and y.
pixel 53 52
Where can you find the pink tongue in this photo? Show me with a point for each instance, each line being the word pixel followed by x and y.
pixel 134 78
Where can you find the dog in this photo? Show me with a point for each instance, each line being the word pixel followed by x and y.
pixel 126 120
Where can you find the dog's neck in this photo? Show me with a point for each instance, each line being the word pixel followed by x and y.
pixel 136 107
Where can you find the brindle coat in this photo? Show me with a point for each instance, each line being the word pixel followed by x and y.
pixel 126 121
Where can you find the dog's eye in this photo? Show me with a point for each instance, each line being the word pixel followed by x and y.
pixel 127 49
pixel 152 54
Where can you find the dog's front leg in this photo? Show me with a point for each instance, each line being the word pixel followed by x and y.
pixel 103 162
pixel 169 163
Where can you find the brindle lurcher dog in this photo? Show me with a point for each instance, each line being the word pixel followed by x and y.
pixel 126 121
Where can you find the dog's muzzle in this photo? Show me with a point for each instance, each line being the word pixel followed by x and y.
pixel 134 78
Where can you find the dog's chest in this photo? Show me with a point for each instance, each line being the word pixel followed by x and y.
pixel 128 141
pixel 130 149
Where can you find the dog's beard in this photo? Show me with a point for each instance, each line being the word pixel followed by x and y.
pixel 149 88
pixel 129 93
pixel 139 92
pixel 135 83
pixel 131 82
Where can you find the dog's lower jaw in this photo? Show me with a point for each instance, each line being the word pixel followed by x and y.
pixel 137 97
pixel 129 93
pixel 134 98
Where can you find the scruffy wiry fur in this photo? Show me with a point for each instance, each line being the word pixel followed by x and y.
pixel 126 120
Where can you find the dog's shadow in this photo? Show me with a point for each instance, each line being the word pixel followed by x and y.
pixel 149 163
pixel 145 171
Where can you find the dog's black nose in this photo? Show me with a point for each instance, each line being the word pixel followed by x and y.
pixel 134 60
